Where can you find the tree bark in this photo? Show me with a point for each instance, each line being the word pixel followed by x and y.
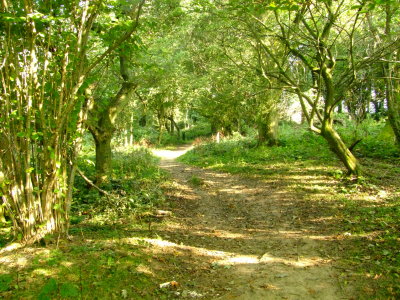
pixel 103 157
pixel 268 129
pixel 393 99
pixel 392 73
pixel 36 155
pixel 101 123
pixel 327 131
pixel 340 149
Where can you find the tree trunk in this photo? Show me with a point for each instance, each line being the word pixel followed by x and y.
pixel 102 119
pixel 103 157
pixel 2 214
pixel 35 207
pixel 40 106
pixel 340 107
pixel 174 125
pixel 392 81
pixel 214 127
pixel 218 137
pixel 377 109
pixel 166 125
pixel 327 131
pixel 340 149
pixel 268 129
pixel 131 130
pixel 393 99
pixel 102 134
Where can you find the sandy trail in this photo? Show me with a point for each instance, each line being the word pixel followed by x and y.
pixel 243 238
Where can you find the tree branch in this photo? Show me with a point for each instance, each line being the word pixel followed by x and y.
pixel 119 41
pixel 92 184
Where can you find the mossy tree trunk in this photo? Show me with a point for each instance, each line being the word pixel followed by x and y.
pixel 340 149
pixel 390 69
pixel 394 104
pixel 392 75
pixel 332 96
pixel 267 128
pixel 327 131
pixel 101 122
pixel 102 138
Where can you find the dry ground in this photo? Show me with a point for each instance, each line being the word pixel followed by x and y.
pixel 246 238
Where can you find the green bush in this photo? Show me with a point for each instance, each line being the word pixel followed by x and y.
pixel 200 129
pixel 296 143
pixel 377 138
pixel 135 186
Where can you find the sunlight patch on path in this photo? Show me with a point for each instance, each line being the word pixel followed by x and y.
pixel 170 154
pixel 225 258
pixel 11 247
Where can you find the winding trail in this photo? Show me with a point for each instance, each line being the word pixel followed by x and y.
pixel 237 237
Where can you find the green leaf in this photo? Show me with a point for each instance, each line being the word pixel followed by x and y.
pixel 43 297
pixel 37 135
pixel 5 282
pixel 48 289
pixel 68 290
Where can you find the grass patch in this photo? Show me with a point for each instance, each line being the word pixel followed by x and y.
pixel 196 181
pixel 372 248
pixel 242 156
pixel 106 262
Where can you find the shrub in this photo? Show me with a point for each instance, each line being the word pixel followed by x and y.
pixel 135 186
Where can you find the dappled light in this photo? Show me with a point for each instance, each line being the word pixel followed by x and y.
pixel 228 258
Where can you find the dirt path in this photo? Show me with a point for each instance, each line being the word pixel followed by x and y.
pixel 243 238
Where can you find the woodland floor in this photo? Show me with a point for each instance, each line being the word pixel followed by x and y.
pixel 248 238
pixel 278 236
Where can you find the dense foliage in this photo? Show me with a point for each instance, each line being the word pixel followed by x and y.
pixel 135 186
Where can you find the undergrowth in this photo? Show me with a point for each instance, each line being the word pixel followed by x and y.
pixel 98 262
pixel 239 154
pixel 149 136
pixel 134 187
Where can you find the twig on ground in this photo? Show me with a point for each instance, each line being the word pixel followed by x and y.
pixel 92 184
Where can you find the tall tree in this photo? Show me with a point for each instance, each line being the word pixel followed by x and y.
pixel 102 117
pixel 104 106
pixel 311 32
pixel 391 66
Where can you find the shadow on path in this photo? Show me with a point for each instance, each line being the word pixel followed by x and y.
pixel 245 238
